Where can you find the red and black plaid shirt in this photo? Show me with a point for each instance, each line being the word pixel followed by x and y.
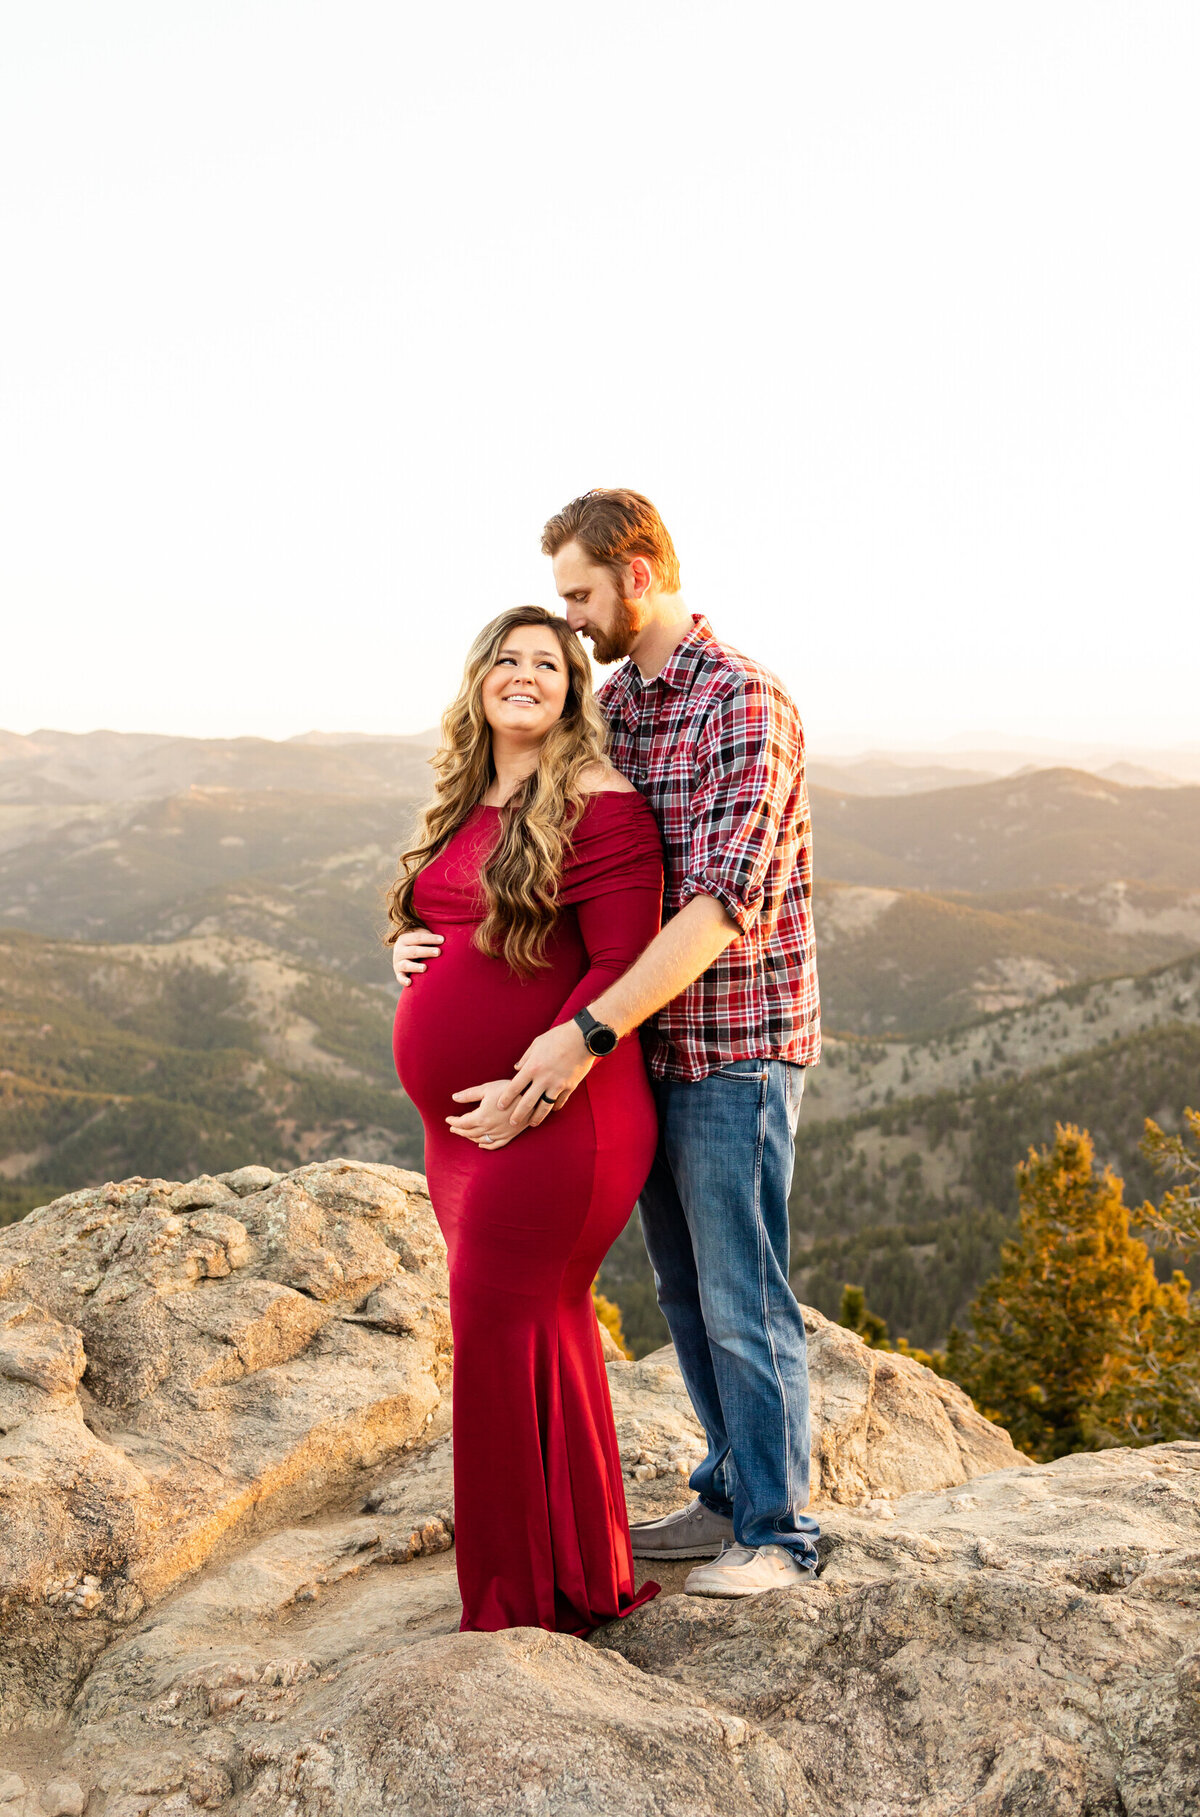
pixel 715 744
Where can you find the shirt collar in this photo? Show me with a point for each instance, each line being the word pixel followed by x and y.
pixel 685 656
pixel 628 688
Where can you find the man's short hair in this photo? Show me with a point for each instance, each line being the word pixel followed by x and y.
pixel 613 525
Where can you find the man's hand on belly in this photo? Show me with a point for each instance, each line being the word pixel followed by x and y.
pixel 550 1068
pixel 485 1125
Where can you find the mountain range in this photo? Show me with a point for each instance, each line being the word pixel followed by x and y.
pixel 191 975
pixel 964 900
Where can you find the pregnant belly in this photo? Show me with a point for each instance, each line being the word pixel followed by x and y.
pixel 468 1020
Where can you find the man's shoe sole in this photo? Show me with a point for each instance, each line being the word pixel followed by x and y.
pixel 734 1595
pixel 731 1595
pixel 667 1553
pixel 789 1583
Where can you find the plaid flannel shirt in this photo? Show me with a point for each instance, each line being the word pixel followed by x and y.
pixel 715 744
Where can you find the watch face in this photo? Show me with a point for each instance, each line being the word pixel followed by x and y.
pixel 602 1040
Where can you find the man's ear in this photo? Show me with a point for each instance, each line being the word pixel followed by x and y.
pixel 641 578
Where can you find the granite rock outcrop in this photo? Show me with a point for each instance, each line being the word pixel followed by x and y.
pixel 226 1480
pixel 1027 1645
pixel 184 1362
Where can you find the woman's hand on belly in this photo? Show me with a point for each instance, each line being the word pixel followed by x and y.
pixel 412 951
pixel 486 1126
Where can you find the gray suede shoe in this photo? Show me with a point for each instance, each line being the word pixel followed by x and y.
pixel 692 1532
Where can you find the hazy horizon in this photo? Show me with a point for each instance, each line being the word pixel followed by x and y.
pixel 958 750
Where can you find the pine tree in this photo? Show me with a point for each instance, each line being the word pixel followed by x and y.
pixel 1155 1395
pixel 1176 1220
pixel 1060 1330
pixel 856 1316
pixel 609 1315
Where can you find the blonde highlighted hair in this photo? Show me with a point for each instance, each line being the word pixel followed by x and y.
pixel 520 878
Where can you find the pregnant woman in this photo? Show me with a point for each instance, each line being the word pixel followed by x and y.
pixel 534 881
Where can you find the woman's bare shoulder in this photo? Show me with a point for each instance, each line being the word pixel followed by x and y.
pixel 602 779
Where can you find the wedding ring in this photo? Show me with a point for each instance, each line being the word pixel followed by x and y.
pixel 546 1100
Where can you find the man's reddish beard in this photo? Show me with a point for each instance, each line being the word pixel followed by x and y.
pixel 612 645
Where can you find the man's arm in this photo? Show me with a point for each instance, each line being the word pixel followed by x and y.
pixel 557 1061
pixel 675 958
pixel 749 765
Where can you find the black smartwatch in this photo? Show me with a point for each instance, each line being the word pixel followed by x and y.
pixel 598 1037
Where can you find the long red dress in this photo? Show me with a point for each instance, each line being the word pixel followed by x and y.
pixel 541 1530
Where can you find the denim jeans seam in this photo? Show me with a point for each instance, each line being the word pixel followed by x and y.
pixel 760 1149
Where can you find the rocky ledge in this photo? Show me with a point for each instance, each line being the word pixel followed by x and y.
pixel 227 1578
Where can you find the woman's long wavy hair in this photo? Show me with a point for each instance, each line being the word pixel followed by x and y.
pixel 520 879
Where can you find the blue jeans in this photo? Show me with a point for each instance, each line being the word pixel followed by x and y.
pixel 714 1216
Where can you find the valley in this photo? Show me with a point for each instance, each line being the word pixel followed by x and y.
pixel 119 1059
pixel 915 962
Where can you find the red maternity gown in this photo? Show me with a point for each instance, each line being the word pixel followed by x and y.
pixel 541 1531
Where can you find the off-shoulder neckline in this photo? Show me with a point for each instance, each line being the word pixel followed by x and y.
pixel 596 795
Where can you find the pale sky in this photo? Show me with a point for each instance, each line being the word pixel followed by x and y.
pixel 312 313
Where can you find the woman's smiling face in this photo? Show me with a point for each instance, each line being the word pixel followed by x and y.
pixel 525 690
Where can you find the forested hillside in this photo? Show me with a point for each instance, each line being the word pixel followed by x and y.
pixel 914 962
pixel 909 1191
pixel 176 1060
pixel 303 872
pixel 912 1201
pixel 856 1075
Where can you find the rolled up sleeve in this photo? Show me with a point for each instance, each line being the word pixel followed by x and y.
pixel 749 762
